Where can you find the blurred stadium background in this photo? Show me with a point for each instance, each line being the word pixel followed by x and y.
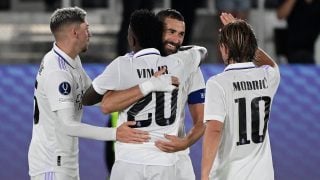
pixel 25 37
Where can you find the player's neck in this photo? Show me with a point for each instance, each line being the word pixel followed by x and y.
pixel 68 49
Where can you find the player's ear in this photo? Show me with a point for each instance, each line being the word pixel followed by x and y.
pixel 74 31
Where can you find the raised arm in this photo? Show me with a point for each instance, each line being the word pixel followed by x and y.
pixel 284 10
pixel 118 100
pixel 262 58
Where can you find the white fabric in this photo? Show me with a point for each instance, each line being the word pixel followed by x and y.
pixel 125 72
pixel 184 168
pixel 67 125
pixel 53 176
pixel 128 171
pixel 61 82
pixel 161 83
pixel 223 100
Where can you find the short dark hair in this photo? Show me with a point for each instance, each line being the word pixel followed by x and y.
pixel 63 16
pixel 240 40
pixel 170 13
pixel 147 28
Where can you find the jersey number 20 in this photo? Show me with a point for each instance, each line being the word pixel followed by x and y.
pixel 159 111
pixel 255 119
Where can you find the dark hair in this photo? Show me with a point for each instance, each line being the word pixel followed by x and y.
pixel 171 13
pixel 64 16
pixel 240 40
pixel 147 28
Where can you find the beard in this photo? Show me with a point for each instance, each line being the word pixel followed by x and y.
pixel 170 47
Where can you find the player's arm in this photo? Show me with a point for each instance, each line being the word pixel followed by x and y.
pixel 118 100
pixel 284 10
pixel 196 111
pixel 262 58
pixel 91 97
pixel 114 101
pixel 196 108
pixel 176 143
pixel 67 124
pixel 214 115
pixel 211 141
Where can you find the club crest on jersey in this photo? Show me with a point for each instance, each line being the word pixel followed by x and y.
pixel 65 88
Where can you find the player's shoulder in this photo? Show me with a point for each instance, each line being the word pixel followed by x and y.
pixel 52 63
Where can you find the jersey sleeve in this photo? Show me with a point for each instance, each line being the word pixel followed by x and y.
pixel 196 92
pixel 192 57
pixel 68 125
pixel 189 61
pixel 215 105
pixel 109 79
pixel 59 90
pixel 273 74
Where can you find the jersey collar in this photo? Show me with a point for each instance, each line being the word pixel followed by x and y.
pixel 68 60
pixel 239 66
pixel 145 52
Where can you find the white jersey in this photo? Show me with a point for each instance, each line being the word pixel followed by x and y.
pixel 192 93
pixel 157 112
pixel 60 84
pixel 241 98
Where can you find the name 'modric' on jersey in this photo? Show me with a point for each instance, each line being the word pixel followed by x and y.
pixel 148 73
pixel 250 85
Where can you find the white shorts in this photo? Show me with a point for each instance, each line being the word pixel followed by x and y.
pixel 129 171
pixel 53 176
pixel 184 168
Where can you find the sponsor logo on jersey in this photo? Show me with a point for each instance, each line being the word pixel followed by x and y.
pixel 65 88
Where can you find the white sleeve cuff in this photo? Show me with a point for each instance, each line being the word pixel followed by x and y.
pixel 213 117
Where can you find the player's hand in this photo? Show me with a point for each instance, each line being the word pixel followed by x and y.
pixel 174 80
pixel 165 83
pixel 227 18
pixel 129 135
pixel 160 72
pixel 173 145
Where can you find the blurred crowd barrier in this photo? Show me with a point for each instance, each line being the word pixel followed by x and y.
pixel 25 35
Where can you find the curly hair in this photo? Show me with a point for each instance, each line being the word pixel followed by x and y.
pixel 147 28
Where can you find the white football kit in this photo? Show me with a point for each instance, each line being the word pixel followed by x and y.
pixel 157 112
pixel 241 98
pixel 60 84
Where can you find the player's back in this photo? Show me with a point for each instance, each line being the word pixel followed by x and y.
pixel 245 152
pixel 157 111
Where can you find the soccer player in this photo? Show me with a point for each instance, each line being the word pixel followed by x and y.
pixel 157 112
pixel 59 86
pixel 237 108
pixel 192 94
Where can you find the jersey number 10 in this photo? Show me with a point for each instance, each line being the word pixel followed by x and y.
pixel 255 119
